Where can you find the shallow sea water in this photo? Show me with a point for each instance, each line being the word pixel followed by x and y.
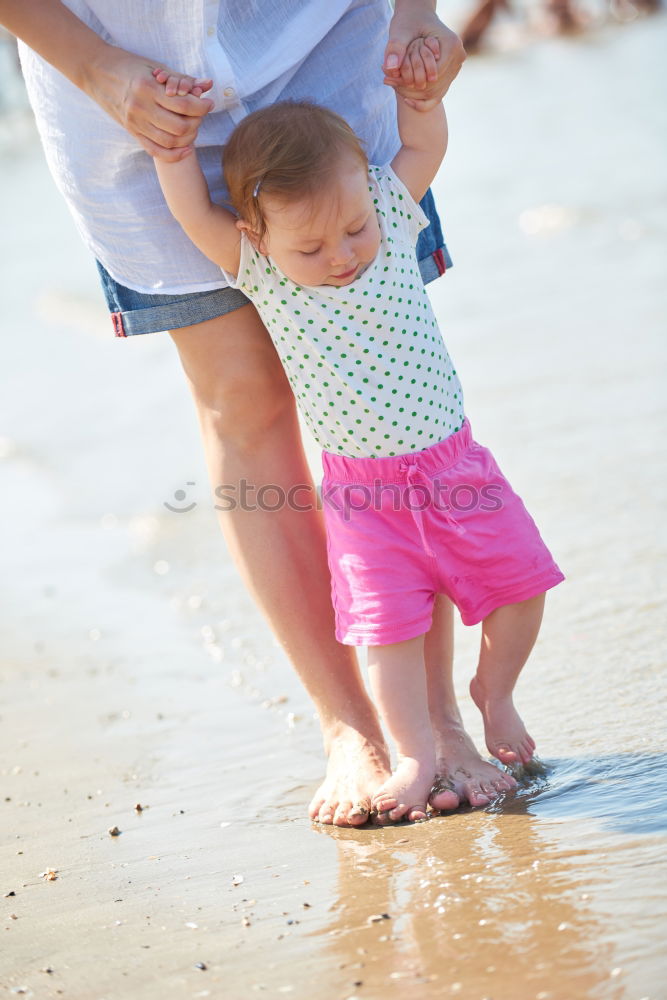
pixel 134 667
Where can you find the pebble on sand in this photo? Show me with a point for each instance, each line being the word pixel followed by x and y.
pixel 375 918
pixel 114 831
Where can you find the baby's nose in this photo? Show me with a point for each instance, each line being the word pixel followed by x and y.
pixel 341 255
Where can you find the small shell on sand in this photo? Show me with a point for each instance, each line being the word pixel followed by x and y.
pixel 114 831
pixel 50 875
pixel 237 879
pixel 375 918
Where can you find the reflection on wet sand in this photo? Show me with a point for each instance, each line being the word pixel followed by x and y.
pixel 501 903
pixel 479 908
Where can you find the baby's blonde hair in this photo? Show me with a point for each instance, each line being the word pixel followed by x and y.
pixel 289 150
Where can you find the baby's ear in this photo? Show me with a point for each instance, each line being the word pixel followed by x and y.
pixel 253 236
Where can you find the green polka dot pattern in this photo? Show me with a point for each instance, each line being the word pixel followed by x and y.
pixel 366 361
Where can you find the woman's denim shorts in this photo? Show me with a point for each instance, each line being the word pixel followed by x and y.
pixel 139 312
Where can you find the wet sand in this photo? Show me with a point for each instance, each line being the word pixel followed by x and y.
pixel 134 668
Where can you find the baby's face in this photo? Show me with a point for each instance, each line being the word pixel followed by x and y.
pixel 328 241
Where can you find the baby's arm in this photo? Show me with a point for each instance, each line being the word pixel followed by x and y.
pixel 210 227
pixel 422 127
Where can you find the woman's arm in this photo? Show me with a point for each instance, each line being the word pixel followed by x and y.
pixel 119 81
pixel 210 227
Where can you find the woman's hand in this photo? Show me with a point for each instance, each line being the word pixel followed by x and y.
pixel 421 79
pixel 165 123
pixel 120 82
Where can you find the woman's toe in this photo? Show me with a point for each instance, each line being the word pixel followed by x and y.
pixel 314 808
pixel 476 797
pixel 443 796
pixel 500 786
pixel 327 812
pixel 359 812
pixel 342 813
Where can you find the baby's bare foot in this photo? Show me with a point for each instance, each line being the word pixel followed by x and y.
pixel 461 774
pixel 355 769
pixel 505 733
pixel 405 793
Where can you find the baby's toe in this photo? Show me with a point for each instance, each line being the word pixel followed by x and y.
pixel 507 755
pixel 383 802
pixel 417 814
pixel 399 812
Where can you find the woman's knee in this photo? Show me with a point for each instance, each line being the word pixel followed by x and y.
pixel 248 407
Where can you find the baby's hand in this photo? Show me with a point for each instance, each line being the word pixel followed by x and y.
pixel 178 85
pixel 418 69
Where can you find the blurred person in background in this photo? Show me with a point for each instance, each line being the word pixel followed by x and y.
pixel 559 16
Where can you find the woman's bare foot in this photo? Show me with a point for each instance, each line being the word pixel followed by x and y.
pixel 461 774
pixel 404 795
pixel 505 733
pixel 355 768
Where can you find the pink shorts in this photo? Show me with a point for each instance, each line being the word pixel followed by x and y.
pixel 440 521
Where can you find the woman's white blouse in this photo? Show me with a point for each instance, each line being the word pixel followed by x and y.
pixel 257 52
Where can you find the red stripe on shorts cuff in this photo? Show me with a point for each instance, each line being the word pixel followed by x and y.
pixel 117 322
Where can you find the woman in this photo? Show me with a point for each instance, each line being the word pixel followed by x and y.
pixel 94 98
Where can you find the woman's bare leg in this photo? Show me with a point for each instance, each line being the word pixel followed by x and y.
pixel 462 775
pixel 250 432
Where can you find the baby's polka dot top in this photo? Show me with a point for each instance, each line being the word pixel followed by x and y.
pixel 366 361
